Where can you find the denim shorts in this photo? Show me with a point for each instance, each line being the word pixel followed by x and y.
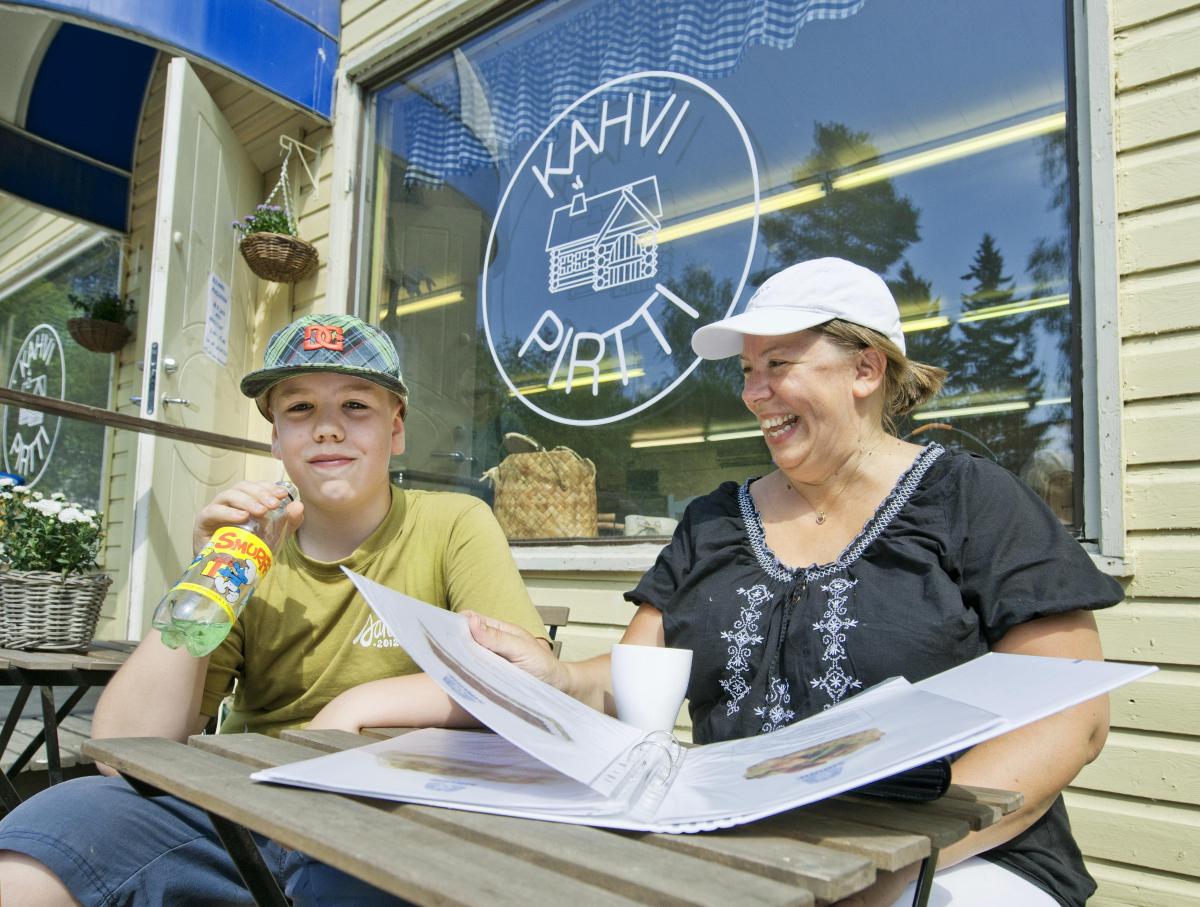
pixel 111 846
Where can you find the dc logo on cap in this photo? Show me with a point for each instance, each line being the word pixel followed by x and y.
pixel 590 295
pixel 323 337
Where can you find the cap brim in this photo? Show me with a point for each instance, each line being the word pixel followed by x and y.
pixel 723 339
pixel 256 384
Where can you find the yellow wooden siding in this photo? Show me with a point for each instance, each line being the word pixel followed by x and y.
pixel 1162 301
pixel 1122 887
pixel 1135 832
pixel 1159 632
pixel 1163 497
pixel 598 612
pixel 1134 810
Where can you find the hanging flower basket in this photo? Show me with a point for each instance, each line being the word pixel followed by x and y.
pixel 98 335
pixel 43 610
pixel 279 257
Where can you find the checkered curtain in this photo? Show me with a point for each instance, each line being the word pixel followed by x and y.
pixel 492 108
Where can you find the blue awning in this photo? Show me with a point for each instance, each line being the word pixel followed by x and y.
pixel 68 144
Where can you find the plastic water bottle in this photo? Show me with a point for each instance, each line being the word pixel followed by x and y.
pixel 200 609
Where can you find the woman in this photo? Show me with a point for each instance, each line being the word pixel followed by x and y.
pixel 863 557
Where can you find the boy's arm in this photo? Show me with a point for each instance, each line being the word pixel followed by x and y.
pixel 409 701
pixel 156 693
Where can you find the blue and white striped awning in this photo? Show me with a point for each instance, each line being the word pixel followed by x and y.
pixel 506 99
pixel 74 73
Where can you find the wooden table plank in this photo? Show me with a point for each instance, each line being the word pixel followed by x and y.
pixel 890 850
pixel 941 830
pixel 390 850
pixel 616 862
pixel 1007 801
pixel 975 813
pixel 328 741
pixel 39 661
pixel 99 660
pixel 829 874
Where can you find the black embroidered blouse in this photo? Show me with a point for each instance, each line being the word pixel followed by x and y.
pixel 957 554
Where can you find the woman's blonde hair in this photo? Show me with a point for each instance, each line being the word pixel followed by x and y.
pixel 907 384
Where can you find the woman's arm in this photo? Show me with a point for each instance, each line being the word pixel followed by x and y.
pixel 1038 760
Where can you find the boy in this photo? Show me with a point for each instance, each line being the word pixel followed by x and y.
pixel 332 389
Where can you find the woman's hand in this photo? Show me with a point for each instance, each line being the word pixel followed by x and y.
pixel 520 647
pixel 237 505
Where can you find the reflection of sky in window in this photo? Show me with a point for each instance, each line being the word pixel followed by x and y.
pixel 907 80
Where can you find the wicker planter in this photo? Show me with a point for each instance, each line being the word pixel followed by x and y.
pixel 40 610
pixel 96 335
pixel 279 257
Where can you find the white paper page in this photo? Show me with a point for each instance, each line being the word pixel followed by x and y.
pixel 465 769
pixel 1025 688
pixel 567 735
pixel 825 755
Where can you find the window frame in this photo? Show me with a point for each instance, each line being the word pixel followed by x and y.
pixel 1090 82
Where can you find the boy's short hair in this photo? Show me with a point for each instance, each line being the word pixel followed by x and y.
pixel 327 343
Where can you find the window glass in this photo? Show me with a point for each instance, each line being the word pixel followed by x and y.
pixel 559 202
pixel 38 356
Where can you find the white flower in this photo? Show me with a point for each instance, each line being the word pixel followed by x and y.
pixel 89 513
pixel 58 496
pixel 7 482
pixel 37 495
pixel 48 507
pixel 21 489
pixel 73 515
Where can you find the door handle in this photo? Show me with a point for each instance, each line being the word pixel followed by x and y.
pixel 178 401
pixel 136 400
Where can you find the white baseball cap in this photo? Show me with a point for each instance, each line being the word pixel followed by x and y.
pixel 801 297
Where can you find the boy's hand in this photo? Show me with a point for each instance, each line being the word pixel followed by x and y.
pixel 237 505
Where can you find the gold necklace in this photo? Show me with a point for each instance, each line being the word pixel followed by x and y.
pixel 821 513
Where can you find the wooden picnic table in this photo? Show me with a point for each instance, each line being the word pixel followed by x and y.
pixel 82 670
pixel 432 855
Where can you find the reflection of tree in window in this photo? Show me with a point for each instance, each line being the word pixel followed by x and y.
pixel 997 361
pixel 1049 263
pixel 870 225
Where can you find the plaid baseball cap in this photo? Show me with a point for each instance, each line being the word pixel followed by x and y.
pixel 327 343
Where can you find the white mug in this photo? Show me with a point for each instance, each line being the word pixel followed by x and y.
pixel 649 683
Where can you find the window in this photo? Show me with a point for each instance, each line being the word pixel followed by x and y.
pixel 38 356
pixel 557 203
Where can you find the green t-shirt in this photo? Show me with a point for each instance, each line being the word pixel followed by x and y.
pixel 307 635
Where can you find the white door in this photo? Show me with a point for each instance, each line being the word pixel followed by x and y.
pixel 206 181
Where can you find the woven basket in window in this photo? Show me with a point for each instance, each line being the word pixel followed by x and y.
pixel 279 257
pixel 98 335
pixel 49 611
pixel 543 493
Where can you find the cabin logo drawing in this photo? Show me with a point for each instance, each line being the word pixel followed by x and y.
pixel 605 240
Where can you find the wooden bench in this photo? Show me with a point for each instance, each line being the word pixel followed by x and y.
pixel 554 616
